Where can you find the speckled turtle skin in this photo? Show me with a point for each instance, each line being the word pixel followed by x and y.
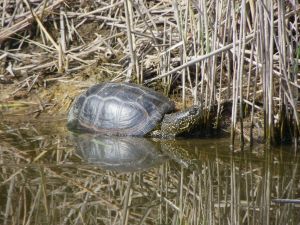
pixel 121 109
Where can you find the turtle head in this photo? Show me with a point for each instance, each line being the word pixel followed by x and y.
pixel 181 123
pixel 193 111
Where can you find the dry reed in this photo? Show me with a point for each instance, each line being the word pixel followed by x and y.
pixel 245 52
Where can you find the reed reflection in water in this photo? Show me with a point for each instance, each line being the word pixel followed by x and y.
pixel 45 181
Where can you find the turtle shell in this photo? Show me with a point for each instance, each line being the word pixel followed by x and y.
pixel 118 109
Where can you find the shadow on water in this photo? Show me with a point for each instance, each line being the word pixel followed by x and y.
pixel 49 178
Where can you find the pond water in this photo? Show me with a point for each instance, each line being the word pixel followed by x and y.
pixel 50 176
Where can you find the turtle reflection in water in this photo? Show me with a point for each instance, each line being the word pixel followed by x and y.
pixel 121 154
pixel 124 109
pixel 129 154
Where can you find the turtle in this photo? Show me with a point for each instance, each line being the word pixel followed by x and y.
pixel 127 109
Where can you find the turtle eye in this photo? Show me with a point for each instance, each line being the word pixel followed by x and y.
pixel 193 111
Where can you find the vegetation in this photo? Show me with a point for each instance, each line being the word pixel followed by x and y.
pixel 245 52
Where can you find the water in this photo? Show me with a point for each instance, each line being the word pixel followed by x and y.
pixel 49 176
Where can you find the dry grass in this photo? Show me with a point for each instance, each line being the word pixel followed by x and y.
pixel 246 52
